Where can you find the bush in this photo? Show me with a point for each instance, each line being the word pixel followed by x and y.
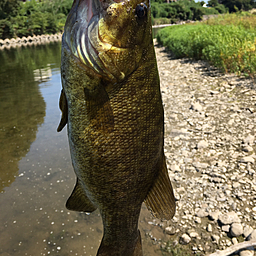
pixel 229 47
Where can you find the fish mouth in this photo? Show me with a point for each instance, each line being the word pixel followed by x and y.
pixel 83 38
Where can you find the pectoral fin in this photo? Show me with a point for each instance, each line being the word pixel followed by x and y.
pixel 99 109
pixel 160 198
pixel 78 201
pixel 64 109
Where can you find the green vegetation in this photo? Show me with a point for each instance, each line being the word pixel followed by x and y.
pixel 228 42
pixel 35 17
pixel 237 5
pixel 175 250
pixel 32 17
pixel 182 10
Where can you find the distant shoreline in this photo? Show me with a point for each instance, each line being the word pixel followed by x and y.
pixel 43 39
pixel 30 40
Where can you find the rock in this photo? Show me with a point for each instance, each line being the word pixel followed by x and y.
pixel 246 253
pixel 234 240
pixel 225 228
pixel 249 140
pixel 170 230
pixel 214 215
pixel 247 231
pixel 196 107
pixel 247 159
pixel 215 239
pixel 236 185
pixel 209 228
pixel 175 168
pixel 252 236
pixel 229 218
pixel 202 144
pixel 236 229
pixel 198 220
pixel 200 166
pixel 185 239
pixel 247 149
pixel 202 213
pixel 193 234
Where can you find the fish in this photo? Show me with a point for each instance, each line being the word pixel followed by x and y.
pixel 111 102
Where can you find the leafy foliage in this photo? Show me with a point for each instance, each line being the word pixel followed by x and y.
pixel 32 17
pixel 230 47
pixel 235 5
pixel 182 10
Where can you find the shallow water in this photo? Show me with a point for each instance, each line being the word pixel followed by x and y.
pixel 36 176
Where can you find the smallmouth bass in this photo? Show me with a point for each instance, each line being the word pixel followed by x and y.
pixel 111 103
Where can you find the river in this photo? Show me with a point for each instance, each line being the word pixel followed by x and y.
pixel 36 175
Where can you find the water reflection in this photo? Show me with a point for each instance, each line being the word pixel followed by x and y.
pixel 22 110
pixel 43 74
pixel 36 176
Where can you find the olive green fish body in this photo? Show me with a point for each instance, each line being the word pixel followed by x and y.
pixel 112 104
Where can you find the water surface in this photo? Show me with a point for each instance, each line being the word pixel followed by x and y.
pixel 36 176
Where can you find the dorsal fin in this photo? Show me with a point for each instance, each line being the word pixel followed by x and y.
pixel 160 198
pixel 78 201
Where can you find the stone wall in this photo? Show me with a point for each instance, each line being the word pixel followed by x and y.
pixel 30 40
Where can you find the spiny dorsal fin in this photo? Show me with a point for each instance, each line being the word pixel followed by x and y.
pixel 64 109
pixel 78 201
pixel 160 198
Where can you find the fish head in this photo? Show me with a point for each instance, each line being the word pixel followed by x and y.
pixel 109 36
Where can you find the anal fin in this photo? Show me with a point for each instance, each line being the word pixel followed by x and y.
pixel 160 198
pixel 78 201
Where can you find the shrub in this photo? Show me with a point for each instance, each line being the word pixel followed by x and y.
pixel 229 47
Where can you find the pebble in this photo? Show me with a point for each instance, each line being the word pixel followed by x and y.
pixel 215 239
pixel 246 253
pixel 209 228
pixel 185 239
pixel 252 236
pixel 229 218
pixel 236 229
pixel 247 159
pixel 234 240
pixel 249 140
pixel 214 215
pixel 225 228
pixel 170 230
pixel 202 213
pixel 202 144
pixel 247 231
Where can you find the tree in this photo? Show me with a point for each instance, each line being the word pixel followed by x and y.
pixel 234 5
pixel 9 8
pixel 213 3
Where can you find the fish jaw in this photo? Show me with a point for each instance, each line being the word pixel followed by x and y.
pixel 109 36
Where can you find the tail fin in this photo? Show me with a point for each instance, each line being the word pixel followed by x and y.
pixel 131 249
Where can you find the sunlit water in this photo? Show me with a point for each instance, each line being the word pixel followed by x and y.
pixel 36 176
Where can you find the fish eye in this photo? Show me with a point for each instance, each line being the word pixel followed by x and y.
pixel 141 10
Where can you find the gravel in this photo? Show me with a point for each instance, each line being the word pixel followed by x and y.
pixel 210 145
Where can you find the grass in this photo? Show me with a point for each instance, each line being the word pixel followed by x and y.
pixel 175 250
pixel 228 42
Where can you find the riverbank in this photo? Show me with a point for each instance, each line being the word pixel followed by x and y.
pixel 210 145
pixel 28 41
pixel 44 39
